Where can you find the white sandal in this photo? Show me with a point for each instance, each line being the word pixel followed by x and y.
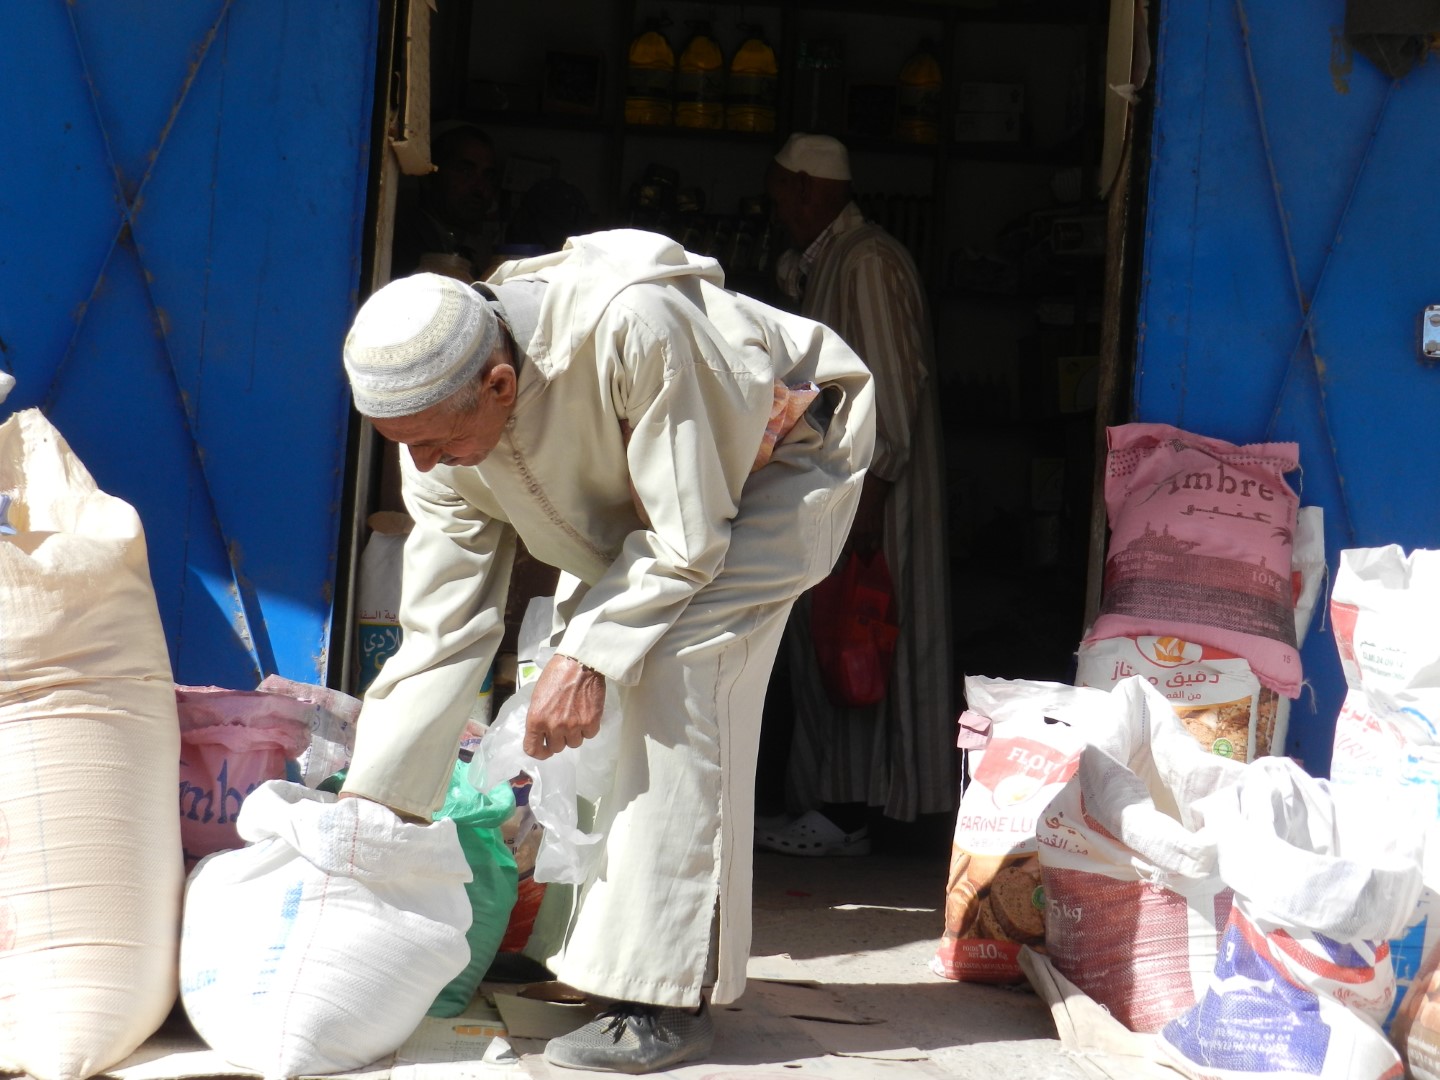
pixel 813 834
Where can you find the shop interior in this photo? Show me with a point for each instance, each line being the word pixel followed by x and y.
pixel 992 188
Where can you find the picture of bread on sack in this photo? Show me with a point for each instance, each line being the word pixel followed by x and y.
pixel 995 898
pixel 1222 728
pixel 1267 710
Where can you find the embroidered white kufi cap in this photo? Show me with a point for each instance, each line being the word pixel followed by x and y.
pixel 415 342
pixel 822 156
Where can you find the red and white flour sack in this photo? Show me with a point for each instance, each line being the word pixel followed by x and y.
pixel 1134 898
pixel 994 902
pixel 1201 536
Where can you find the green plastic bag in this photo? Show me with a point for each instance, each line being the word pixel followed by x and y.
pixel 478 816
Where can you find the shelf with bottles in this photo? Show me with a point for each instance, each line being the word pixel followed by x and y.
pixel 711 134
pixel 505 118
pixel 1056 12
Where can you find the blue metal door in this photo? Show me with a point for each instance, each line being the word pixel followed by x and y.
pixel 182 194
pixel 1291 245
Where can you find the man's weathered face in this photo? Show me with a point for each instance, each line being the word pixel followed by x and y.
pixel 467 182
pixel 442 435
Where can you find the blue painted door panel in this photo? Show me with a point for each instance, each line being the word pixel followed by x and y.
pixel 1290 247
pixel 181 204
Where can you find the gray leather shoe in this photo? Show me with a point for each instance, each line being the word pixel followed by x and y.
pixel 632 1038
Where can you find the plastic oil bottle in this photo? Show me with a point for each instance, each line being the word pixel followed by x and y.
pixel 700 83
pixel 751 87
pixel 917 112
pixel 650 78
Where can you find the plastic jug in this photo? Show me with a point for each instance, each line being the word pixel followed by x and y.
pixel 918 102
pixel 700 84
pixel 650 79
pixel 750 90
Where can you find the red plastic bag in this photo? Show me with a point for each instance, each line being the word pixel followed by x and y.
pixel 854 630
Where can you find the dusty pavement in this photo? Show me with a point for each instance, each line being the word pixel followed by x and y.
pixel 861 931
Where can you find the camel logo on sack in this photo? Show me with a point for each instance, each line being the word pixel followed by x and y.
pixel 1168 651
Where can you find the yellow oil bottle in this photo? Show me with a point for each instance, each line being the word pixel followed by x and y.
pixel 650 79
pixel 750 90
pixel 700 84
pixel 917 106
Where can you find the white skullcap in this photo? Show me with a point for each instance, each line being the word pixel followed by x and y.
pixel 821 156
pixel 415 342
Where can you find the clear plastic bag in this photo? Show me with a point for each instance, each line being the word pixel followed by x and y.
pixel 567 851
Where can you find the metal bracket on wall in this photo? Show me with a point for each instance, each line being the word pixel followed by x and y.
pixel 1430 334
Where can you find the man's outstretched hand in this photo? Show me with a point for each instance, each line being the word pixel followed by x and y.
pixel 566 709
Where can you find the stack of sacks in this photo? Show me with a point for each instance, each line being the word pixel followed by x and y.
pixel 1387 748
pixel 1210 584
pixel 90 871
pixel 1237 912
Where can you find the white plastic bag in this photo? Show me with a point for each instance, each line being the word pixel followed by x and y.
pixel 1134 896
pixel 319 946
pixel 90 870
pixel 1303 977
pixel 332 717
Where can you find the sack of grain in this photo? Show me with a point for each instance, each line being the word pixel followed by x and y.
pixel 994 903
pixel 1201 542
pixel 1387 740
pixel 1215 693
pixel 1303 978
pixel 90 871
pixel 319 946
pixel 231 742
pixel 1135 901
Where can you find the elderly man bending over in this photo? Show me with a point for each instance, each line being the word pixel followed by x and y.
pixel 647 432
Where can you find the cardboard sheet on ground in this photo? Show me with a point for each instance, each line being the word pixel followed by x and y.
pixel 1099 1044
pixel 780 967
pixel 780 983
pixel 467 1047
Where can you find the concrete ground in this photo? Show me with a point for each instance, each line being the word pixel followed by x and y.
pixel 866 928
pixel 863 930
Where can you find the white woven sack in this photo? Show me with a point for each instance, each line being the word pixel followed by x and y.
pixel 1322 876
pixel 1135 899
pixel 318 947
pixel 90 872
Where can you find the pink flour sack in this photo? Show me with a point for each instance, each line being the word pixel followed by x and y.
pixel 231 742
pixel 1201 533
